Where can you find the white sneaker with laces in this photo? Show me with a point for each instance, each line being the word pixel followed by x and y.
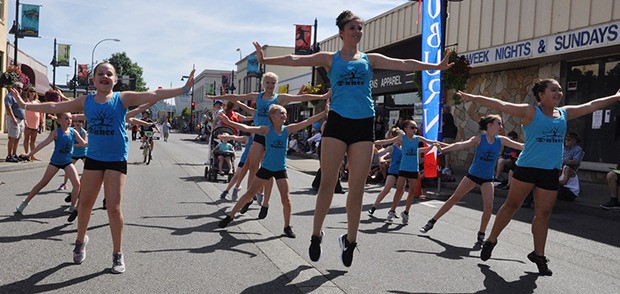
pixel 20 208
pixel 405 217
pixel 118 263
pixel 391 216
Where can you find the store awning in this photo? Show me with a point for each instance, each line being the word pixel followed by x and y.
pixel 37 78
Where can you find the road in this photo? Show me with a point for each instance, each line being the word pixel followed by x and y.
pixel 172 243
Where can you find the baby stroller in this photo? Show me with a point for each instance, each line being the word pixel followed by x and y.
pixel 212 169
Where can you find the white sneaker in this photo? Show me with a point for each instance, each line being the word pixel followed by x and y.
pixel 405 217
pixel 259 198
pixel 79 252
pixel 118 263
pixel 391 215
pixel 70 209
pixel 20 208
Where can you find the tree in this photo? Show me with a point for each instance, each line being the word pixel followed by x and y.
pixel 186 113
pixel 125 67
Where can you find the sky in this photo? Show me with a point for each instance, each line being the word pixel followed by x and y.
pixel 167 37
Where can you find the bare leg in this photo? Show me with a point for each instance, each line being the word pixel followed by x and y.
pixel 612 184
pixel 91 184
pixel 462 189
pixel 410 194
pixel 72 174
pixel 330 164
pixel 267 192
pixel 389 183
pixel 283 188
pixel 488 193
pixel 257 184
pixel 517 193
pixel 114 184
pixel 400 189
pixel 50 171
pixel 544 199
pixel 360 155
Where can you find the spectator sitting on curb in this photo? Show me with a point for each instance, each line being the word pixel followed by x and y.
pixel 613 180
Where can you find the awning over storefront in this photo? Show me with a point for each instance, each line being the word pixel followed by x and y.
pixel 37 78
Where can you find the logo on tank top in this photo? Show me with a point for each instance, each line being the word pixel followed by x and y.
pixel 352 78
pixel 487 156
pixel 277 144
pixel 101 124
pixel 65 148
pixel 263 111
pixel 551 135
pixel 411 152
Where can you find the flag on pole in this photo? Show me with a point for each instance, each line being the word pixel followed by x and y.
pixel 302 39
pixel 64 54
pixel 30 20
pixel 252 67
pixel 82 71
pixel 432 48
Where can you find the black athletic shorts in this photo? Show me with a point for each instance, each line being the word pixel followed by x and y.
pixel 408 174
pixel 260 139
pixel 241 164
pixel 266 174
pixel 478 180
pixel 547 179
pixel 349 130
pixel 78 157
pixel 91 164
pixel 60 166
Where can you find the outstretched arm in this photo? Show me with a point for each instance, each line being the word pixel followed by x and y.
pixel 388 141
pixel 245 108
pixel 233 97
pixel 75 105
pixel 511 143
pixel 317 59
pixel 81 141
pixel 524 111
pixel 140 109
pixel 575 111
pixel 381 61
pixel 286 98
pixel 44 143
pixel 473 141
pixel 130 98
pixel 302 124
pixel 245 128
pixel 242 139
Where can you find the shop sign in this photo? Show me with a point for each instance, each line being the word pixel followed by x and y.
pixel 571 41
pixel 392 82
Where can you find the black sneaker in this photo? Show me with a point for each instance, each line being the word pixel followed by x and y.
pixel 428 226
pixel 263 214
pixel 104 207
pixel 68 198
pixel 541 263
pixel 613 203
pixel 245 208
pixel 315 247
pixel 346 256
pixel 480 238
pixel 223 195
pixel 371 211
pixel 288 231
pixel 487 249
pixel 73 215
pixel 223 223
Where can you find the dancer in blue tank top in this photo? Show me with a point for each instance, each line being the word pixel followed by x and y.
pixel 106 161
pixel 409 168
pixel 488 146
pixel 395 154
pixel 242 169
pixel 538 166
pixel 350 126
pixel 79 153
pixel 261 118
pixel 274 163
pixel 63 138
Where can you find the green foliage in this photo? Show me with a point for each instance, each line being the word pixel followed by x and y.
pixel 186 112
pixel 317 90
pixel 125 67
pixel 454 78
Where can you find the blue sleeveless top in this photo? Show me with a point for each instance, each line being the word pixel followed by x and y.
pixel 409 160
pixel 106 129
pixel 244 155
pixel 544 141
pixel 485 158
pixel 351 91
pixel 275 155
pixel 80 151
pixel 63 147
pixel 261 116
pixel 395 158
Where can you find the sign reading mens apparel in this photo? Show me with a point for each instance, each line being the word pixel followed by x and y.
pixel 432 48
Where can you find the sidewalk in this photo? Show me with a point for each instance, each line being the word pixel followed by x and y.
pixel 44 155
pixel 591 197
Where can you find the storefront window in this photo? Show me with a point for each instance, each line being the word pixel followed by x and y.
pixel 599 133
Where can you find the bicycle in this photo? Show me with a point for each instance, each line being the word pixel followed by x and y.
pixel 146 151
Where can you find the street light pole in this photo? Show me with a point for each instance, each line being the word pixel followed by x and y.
pixel 92 58
pixel 239 49
pixel 75 79
pixel 191 102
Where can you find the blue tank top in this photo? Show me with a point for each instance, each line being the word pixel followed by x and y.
pixel 244 155
pixel 544 141
pixel 351 92
pixel 275 154
pixel 80 151
pixel 409 160
pixel 261 116
pixel 63 147
pixel 485 158
pixel 395 158
pixel 106 129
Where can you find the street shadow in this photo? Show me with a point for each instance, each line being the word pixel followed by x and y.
pixel 44 192
pixel 194 179
pixel 453 252
pixel 386 228
pixel 494 283
pixel 33 283
pixel 306 191
pixel 334 210
pixel 43 215
pixel 52 234
pixel 281 284
pixel 189 164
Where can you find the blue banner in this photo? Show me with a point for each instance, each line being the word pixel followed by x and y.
pixel 432 48
pixel 30 20
pixel 252 67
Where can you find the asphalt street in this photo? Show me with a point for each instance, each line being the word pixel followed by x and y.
pixel 172 243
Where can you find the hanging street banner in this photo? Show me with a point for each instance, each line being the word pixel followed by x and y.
pixel 432 48
pixel 302 39
pixel 82 71
pixel 64 54
pixel 30 20
pixel 225 82
pixel 252 67
pixel 210 89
